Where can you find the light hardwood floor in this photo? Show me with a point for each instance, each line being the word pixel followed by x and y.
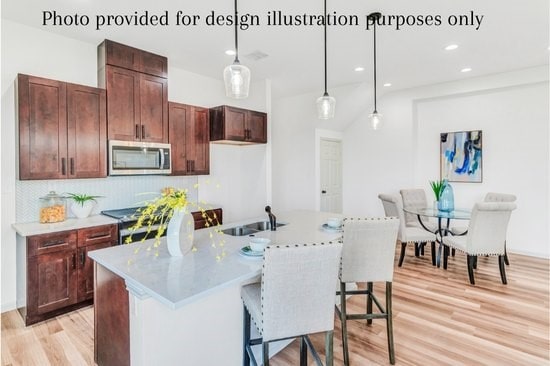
pixel 439 319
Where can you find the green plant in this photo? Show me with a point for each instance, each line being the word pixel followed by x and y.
pixel 81 198
pixel 437 187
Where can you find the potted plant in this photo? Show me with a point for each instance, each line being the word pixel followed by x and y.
pixel 82 204
pixel 437 188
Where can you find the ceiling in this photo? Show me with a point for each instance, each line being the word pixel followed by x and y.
pixel 513 35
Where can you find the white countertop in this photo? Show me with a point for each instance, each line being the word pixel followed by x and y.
pixel 36 228
pixel 177 281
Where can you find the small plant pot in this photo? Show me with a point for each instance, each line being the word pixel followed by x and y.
pixel 82 211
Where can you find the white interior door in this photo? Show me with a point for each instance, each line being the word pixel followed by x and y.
pixel 331 175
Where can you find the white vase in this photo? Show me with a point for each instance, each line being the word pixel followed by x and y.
pixel 83 210
pixel 179 233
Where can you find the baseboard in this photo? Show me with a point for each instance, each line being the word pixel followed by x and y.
pixel 8 306
pixel 529 253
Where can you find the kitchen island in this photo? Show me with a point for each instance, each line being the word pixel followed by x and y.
pixel 153 309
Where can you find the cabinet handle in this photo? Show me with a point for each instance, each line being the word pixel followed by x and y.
pixel 98 235
pixel 82 258
pixel 137 131
pixel 63 166
pixel 74 260
pixel 52 243
pixel 72 166
pixel 142 131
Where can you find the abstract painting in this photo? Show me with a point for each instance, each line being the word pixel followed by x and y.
pixel 460 156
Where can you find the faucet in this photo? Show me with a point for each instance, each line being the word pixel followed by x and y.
pixel 272 218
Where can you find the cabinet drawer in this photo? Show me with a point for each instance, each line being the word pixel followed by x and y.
pixel 97 234
pixel 49 243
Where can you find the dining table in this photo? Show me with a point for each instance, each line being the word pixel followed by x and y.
pixel 443 222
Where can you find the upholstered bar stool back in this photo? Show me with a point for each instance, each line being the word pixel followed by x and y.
pixel 295 297
pixel 368 256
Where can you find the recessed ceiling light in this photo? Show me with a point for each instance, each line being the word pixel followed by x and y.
pixel 359 68
pixel 466 69
pixel 230 52
pixel 451 47
pixel 387 84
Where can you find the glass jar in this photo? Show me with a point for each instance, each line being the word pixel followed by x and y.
pixel 52 208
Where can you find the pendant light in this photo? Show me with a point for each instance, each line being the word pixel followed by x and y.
pixel 375 117
pixel 326 104
pixel 236 76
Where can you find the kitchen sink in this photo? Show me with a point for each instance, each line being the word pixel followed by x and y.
pixel 239 231
pixel 250 228
pixel 263 225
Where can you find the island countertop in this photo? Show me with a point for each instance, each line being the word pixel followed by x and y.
pixel 177 281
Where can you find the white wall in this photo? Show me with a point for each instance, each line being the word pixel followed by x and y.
pixel 512 109
pixel 32 51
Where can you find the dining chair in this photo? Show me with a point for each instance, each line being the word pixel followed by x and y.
pixel 415 198
pixel 486 235
pixel 490 197
pixel 368 256
pixel 406 234
pixel 295 298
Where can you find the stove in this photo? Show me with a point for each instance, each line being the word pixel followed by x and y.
pixel 127 217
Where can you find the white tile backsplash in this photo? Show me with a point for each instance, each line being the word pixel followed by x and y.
pixel 117 192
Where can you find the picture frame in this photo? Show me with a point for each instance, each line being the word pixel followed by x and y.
pixel 460 156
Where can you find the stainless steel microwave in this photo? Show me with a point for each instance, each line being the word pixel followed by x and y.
pixel 138 158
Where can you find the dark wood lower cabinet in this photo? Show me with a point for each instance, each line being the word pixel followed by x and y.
pixel 59 272
pixel 111 319
pixel 216 215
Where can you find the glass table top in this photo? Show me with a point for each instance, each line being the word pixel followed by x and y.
pixel 458 214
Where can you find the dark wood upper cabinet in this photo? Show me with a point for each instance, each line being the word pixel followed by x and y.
pixel 137 92
pixel 189 137
pixel 62 129
pixel 239 126
pixel 118 54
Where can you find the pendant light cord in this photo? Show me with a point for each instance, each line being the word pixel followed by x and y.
pixel 325 27
pixel 374 29
pixel 236 35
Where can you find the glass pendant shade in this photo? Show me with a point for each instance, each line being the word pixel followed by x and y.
pixel 237 81
pixel 326 106
pixel 376 120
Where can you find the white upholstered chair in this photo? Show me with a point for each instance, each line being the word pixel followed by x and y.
pixel 490 197
pixel 415 198
pixel 295 298
pixel 368 256
pixel 407 234
pixel 486 235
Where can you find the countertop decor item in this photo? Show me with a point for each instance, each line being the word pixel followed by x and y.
pixel 52 208
pixel 170 213
pixel 326 104
pixel 82 204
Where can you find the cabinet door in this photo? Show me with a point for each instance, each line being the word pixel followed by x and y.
pixel 153 64
pixel 235 124
pixel 86 132
pixel 153 110
pixel 257 127
pixel 42 128
pixel 122 104
pixel 51 281
pixel 86 270
pixel 199 144
pixel 178 115
pixel 120 55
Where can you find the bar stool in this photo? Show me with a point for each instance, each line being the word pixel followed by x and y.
pixel 368 256
pixel 295 298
